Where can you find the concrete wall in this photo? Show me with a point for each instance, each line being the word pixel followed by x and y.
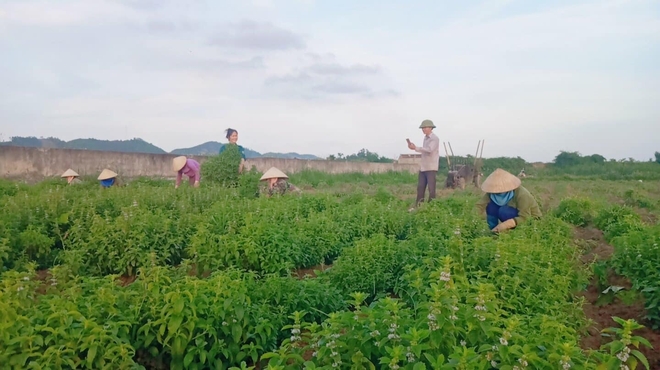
pixel 38 163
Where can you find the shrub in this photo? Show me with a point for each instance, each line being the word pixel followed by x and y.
pixel 576 211
pixel 223 168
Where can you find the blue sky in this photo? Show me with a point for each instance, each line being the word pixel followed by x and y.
pixel 530 77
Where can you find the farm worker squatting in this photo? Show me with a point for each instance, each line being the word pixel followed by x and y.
pixel 506 202
pixel 71 177
pixel 428 170
pixel 108 178
pixel 232 136
pixel 277 182
pixel 188 167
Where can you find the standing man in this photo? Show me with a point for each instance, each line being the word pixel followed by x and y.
pixel 430 159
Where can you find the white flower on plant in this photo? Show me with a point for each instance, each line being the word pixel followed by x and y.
pixel 504 342
pixel 493 363
pixel 453 318
pixel 445 276
pixel 26 278
pixel 431 317
pixel 20 288
pixel 463 343
pixel 374 333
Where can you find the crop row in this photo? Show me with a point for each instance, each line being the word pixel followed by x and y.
pixel 636 244
pixel 429 289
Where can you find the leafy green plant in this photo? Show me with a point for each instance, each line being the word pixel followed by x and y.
pixel 576 211
pixel 223 168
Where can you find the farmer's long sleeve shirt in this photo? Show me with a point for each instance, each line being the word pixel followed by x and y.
pixel 191 169
pixel 430 153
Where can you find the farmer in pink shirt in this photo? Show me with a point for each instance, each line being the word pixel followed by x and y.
pixel 188 167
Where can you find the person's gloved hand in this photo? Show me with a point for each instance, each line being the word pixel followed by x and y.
pixel 506 225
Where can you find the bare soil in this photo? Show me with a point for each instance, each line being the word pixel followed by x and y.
pixel 301 273
pixel 601 315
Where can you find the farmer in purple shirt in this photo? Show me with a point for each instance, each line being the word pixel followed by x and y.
pixel 188 167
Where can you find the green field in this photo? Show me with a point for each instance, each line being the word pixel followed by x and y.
pixel 340 277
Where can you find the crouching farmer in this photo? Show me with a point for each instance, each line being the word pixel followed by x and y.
pixel 277 183
pixel 506 202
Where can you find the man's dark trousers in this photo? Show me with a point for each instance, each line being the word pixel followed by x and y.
pixel 426 178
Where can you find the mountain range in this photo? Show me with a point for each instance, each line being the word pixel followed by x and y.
pixel 138 145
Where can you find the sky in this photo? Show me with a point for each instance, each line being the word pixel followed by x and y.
pixel 531 78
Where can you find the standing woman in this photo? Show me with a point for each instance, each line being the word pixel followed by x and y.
pixel 188 167
pixel 108 178
pixel 232 136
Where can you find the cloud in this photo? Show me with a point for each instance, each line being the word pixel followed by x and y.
pixel 338 69
pixel 327 78
pixel 253 35
pixel 161 26
pixel 341 88
pixel 144 5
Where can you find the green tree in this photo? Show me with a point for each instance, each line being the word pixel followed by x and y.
pixel 567 159
pixel 657 157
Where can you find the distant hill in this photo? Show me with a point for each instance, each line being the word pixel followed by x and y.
pixel 213 147
pixel 210 148
pixel 290 155
pixel 137 145
pixel 128 146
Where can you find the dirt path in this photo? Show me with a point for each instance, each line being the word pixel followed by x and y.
pixel 601 314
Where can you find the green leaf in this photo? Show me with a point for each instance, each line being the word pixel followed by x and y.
pixel 174 324
pixel 236 332
pixel 640 356
pixel 91 354
pixel 419 366
pixel 178 306
pixel 240 311
pixel 190 356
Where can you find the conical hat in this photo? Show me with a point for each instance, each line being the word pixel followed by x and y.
pixel 500 181
pixel 70 172
pixel 273 173
pixel 106 174
pixel 178 163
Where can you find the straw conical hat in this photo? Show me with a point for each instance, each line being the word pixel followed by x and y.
pixel 500 181
pixel 273 173
pixel 106 174
pixel 70 172
pixel 178 163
